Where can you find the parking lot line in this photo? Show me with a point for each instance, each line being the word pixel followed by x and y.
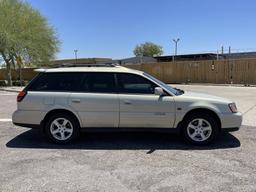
pixel 5 120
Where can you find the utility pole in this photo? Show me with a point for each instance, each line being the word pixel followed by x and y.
pixel 75 51
pixel 222 50
pixel 176 48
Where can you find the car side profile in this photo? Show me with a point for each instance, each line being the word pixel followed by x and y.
pixel 65 101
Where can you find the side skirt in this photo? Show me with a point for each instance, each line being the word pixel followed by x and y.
pixel 107 129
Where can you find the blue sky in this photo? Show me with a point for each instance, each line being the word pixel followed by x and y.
pixel 112 28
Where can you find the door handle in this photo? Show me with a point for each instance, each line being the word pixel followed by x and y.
pixel 160 113
pixel 126 102
pixel 75 100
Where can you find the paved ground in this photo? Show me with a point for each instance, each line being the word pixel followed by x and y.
pixel 130 161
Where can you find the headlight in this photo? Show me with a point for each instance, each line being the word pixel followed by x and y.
pixel 232 107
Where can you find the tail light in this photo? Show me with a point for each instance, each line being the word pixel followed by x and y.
pixel 21 96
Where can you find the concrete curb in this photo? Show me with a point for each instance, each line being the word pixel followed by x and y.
pixel 10 90
pixel 211 84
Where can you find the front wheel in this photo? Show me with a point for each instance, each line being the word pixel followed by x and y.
pixel 200 129
pixel 62 128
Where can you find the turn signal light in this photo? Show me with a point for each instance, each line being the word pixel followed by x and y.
pixel 232 107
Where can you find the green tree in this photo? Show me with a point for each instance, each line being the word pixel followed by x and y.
pixel 148 49
pixel 25 36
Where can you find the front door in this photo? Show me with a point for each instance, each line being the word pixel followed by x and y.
pixel 140 107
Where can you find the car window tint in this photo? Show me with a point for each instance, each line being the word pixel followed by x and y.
pixel 56 82
pixel 98 83
pixel 131 83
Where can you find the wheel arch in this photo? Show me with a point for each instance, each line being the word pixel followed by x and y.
pixel 54 111
pixel 204 111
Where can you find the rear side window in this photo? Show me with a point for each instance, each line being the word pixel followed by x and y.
pixel 131 83
pixel 98 83
pixel 56 82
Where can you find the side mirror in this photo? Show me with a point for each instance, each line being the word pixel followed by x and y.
pixel 159 91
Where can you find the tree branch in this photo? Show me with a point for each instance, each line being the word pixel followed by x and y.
pixel 5 57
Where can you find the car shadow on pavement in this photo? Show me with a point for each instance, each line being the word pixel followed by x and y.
pixel 121 140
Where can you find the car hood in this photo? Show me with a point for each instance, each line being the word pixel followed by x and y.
pixel 205 96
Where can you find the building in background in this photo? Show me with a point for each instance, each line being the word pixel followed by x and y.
pixel 80 61
pixel 206 56
pixel 135 60
pixel 242 55
pixel 188 57
pixel 167 58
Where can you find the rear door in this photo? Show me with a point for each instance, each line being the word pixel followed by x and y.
pixel 140 107
pixel 96 100
pixel 46 92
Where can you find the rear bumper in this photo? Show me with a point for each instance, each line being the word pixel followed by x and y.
pixel 33 126
pixel 29 119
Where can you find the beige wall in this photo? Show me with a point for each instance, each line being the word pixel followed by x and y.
pixel 27 73
pixel 242 71
pixel 223 71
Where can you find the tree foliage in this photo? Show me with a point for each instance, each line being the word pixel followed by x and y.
pixel 148 49
pixel 25 35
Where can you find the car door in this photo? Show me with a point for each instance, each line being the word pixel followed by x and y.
pixel 140 107
pixel 96 100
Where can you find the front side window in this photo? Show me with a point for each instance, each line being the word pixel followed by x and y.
pixel 169 88
pixel 131 83
pixel 56 82
pixel 98 83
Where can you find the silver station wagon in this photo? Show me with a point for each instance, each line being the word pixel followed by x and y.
pixel 65 101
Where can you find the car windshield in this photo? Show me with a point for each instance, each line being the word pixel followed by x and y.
pixel 168 87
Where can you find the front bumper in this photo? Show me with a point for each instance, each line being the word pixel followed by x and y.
pixel 231 129
pixel 231 121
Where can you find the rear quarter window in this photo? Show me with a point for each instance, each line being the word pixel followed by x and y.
pixel 56 82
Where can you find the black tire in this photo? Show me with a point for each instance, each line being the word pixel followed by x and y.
pixel 72 121
pixel 194 118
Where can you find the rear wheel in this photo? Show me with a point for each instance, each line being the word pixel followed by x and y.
pixel 62 128
pixel 200 129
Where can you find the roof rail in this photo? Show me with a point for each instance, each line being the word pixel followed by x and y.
pixel 87 65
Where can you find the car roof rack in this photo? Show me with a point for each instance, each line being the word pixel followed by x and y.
pixel 87 65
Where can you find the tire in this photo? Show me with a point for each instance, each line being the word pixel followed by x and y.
pixel 62 128
pixel 200 129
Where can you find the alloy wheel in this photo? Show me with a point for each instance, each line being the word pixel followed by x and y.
pixel 199 130
pixel 61 129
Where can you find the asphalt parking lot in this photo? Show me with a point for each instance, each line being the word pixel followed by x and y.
pixel 130 161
